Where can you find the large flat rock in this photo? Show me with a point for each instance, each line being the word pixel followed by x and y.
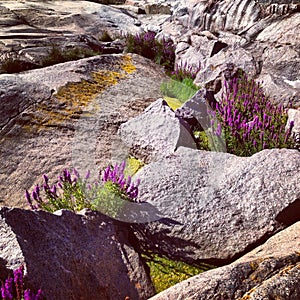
pixel 72 256
pixel 215 206
pixel 270 271
pixel 67 116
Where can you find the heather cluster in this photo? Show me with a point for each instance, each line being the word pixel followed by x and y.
pixel 73 192
pixel 13 288
pixel 69 192
pixel 181 86
pixel 145 44
pixel 127 189
pixel 184 71
pixel 248 120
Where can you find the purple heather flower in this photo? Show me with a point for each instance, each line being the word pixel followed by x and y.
pixel 28 295
pixel 34 195
pixel 128 180
pixel 76 173
pixel 59 185
pixel 254 143
pixel 18 280
pixel 53 190
pixel 7 289
pixel 39 295
pixel 28 197
pixel 87 175
pixel 218 131
pixel 46 178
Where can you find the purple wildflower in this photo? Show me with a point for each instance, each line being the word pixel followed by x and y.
pixel 46 178
pixel 87 175
pixel 18 280
pixel 7 289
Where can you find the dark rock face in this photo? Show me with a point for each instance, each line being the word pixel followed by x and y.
pixel 68 116
pixel 73 256
pixel 216 206
pixel 270 271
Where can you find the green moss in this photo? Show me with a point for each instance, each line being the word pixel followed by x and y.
pixel 166 273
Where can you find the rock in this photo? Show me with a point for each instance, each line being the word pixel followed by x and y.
pixel 67 116
pixel 280 63
pixel 88 252
pixel 259 35
pixel 294 117
pixel 157 8
pixel 270 271
pixel 216 206
pixel 156 132
pixel 210 76
pixel 29 29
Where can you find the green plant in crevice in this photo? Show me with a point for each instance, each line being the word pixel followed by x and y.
pixel 75 193
pixel 57 55
pixel 165 273
pixel 70 192
pixel 181 86
pixel 116 189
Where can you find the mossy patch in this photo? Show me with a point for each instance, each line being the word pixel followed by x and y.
pixel 76 98
pixel 166 273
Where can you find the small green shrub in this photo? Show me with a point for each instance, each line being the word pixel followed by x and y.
pixel 57 55
pixel 15 64
pixel 75 193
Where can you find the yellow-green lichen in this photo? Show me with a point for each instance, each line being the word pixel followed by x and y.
pixel 76 98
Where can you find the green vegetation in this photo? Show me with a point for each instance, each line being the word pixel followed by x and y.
pixel 247 120
pixel 57 55
pixel 166 273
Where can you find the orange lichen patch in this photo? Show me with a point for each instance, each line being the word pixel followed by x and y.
pixel 77 98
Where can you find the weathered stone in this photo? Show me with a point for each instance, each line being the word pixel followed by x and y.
pixel 213 67
pixel 88 252
pixel 271 271
pixel 157 8
pixel 156 132
pixel 215 206
pixel 30 28
pixel 67 116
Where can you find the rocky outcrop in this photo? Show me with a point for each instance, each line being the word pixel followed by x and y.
pixel 30 29
pixel 156 132
pixel 67 116
pixel 270 271
pixel 72 256
pixel 255 37
pixel 215 206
